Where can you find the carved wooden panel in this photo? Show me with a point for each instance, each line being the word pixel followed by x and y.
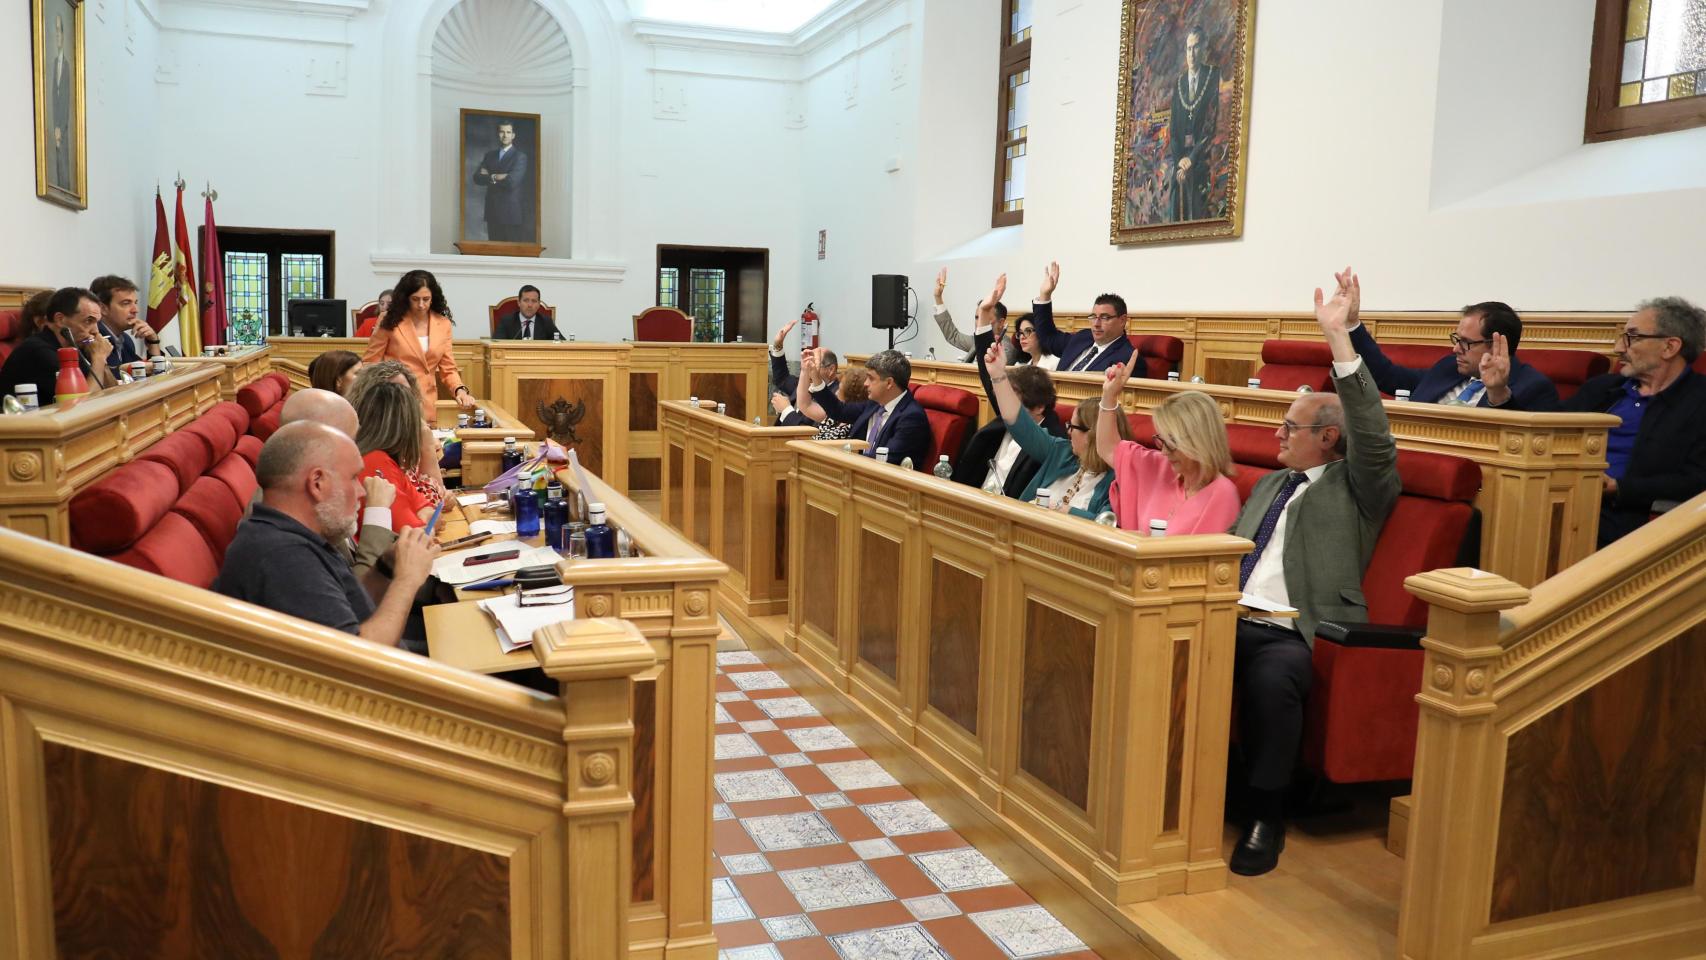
pixel 734 520
pixel 702 501
pixel 1180 689
pixel 147 863
pixel 1054 716
pixel 1231 371
pixel 585 433
pixel 644 473
pixel 956 627
pixel 642 400
pixel 1602 796
pixel 645 784
pixel 728 389
pixel 782 531
pixel 821 595
pixel 879 601
pixel 677 486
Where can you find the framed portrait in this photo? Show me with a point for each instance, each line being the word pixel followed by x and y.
pixel 62 175
pixel 499 195
pixel 1181 133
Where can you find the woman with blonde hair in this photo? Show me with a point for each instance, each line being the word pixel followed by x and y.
pixel 389 435
pixel 423 475
pixel 1072 472
pixel 1186 479
pixel 852 390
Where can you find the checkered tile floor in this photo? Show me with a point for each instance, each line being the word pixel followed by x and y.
pixel 822 854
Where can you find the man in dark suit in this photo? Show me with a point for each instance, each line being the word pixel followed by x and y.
pixel 1098 348
pixel 63 145
pixel 1191 128
pixel 1487 336
pixel 121 322
pixel 1314 525
pixel 527 323
pixel 503 172
pixel 783 384
pixel 891 418
pixel 1658 452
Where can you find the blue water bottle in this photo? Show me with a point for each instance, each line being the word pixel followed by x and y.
pixel 554 513
pixel 526 513
pixel 512 456
pixel 600 539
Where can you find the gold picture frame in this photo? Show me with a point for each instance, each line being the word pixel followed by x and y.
pixel 476 144
pixel 62 172
pixel 1186 181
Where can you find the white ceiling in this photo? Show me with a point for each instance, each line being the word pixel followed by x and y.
pixel 770 16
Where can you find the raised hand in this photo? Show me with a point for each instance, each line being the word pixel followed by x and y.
pixel 1051 279
pixel 782 334
pixel 986 308
pixel 941 284
pixel 1333 314
pixel 1117 376
pixel 995 358
pixel 779 402
pixel 1496 371
pixel 809 369
pixel 1351 287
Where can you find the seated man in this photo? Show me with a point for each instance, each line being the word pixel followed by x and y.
pixel 1097 348
pixel 121 321
pixel 891 418
pixel 282 557
pixel 527 323
pixel 1314 526
pixel 1659 450
pixel 1487 335
pixel 992 454
pixel 375 539
pixel 783 384
pixel 956 337
pixel 73 319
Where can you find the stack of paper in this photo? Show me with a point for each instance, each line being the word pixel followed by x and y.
pixel 450 567
pixel 517 623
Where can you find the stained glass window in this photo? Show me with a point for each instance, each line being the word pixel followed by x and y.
pixel 1664 51
pixel 706 291
pixel 1013 103
pixel 246 286
pixel 669 287
pixel 1018 21
pixel 304 277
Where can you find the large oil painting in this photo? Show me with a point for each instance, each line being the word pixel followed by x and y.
pixel 56 28
pixel 1183 120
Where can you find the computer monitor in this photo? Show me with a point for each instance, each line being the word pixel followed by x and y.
pixel 319 318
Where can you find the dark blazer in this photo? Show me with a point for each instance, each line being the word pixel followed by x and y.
pixel 509 327
pixel 1669 459
pixel 1530 389
pixel 1068 347
pixel 906 433
pixel 1330 533
pixel 786 384
pixel 973 466
pixel 36 360
pixel 124 349
pixel 504 197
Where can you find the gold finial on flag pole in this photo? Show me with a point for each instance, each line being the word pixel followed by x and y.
pixel 210 193
pixel 179 183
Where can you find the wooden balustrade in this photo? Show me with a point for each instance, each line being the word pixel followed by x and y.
pixel 1070 682
pixel 241 367
pixel 52 453
pixel 296 373
pixel 182 774
pixel 1540 472
pixel 1561 761
pixel 738 510
pixel 734 374
pixel 483 447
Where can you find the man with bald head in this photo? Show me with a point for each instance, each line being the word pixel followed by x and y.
pixel 320 406
pixel 1314 525
pixel 376 537
pixel 283 556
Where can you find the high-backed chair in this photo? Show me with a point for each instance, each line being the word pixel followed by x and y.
pixel 666 324
pixel 510 306
pixel 11 331
pixel 1160 353
pixel 952 413
pixel 1567 369
pixel 364 318
pixel 262 400
pixel 1289 364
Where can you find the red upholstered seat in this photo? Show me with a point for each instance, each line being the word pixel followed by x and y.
pixel 11 331
pixel 249 448
pixel 952 413
pixel 187 455
pixel 1567 369
pixel 512 305
pixel 212 508
pixel 1160 354
pixel 238 475
pixel 1700 363
pixel 663 324
pixel 1142 427
pixel 364 318
pixel 266 425
pixel 115 511
pixel 174 548
pixel 1416 356
pixel 1064 410
pixel 231 412
pixel 1289 364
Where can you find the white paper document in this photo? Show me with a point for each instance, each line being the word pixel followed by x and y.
pixel 471 499
pixel 1254 602
pixel 517 623
pixel 502 528
pixel 449 568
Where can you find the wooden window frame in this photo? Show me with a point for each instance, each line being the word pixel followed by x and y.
pixel 1015 58
pixel 1605 119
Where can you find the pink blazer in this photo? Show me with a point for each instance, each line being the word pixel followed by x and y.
pixel 437 363
pixel 1145 488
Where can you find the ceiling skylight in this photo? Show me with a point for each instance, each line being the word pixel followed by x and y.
pixel 771 16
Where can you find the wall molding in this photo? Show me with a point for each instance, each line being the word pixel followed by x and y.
pixel 517 268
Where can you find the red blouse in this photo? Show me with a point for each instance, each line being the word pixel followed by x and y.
pixel 406 509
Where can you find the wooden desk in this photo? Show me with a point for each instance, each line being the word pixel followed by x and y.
pixel 483 447
pixel 241 367
pixel 470 355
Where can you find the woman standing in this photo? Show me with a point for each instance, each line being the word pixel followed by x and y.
pixel 416 332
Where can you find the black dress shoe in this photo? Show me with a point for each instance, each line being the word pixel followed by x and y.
pixel 1259 848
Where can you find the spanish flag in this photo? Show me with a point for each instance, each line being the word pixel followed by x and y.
pixel 162 290
pixel 183 272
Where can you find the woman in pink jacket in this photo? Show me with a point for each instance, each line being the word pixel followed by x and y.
pixel 1185 479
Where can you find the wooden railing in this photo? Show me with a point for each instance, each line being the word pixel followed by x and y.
pixel 182 774
pixel 1561 761
pixel 1069 682
pixel 738 511
pixel 483 447
pixel 243 366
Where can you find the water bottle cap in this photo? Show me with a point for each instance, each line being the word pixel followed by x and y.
pixel 1254 382
pixel 24 388
pixel 1157 524
pixel 1173 375
pixel 597 506
pixel 882 451
pixel 942 459
pixel 508 441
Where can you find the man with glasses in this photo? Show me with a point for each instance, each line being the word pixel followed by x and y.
pixel 1485 340
pixel 1658 452
pixel 1314 525
pixel 1095 349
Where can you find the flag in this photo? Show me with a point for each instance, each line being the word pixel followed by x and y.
pixel 214 322
pixel 183 273
pixel 162 292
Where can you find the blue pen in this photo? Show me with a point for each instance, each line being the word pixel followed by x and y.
pixel 433 523
pixel 495 584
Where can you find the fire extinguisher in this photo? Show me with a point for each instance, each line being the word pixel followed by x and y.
pixel 808 328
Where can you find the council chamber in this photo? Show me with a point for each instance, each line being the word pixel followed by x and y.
pixel 669 479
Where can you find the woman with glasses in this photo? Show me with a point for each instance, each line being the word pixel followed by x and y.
pixel 1031 349
pixel 1186 479
pixel 1071 470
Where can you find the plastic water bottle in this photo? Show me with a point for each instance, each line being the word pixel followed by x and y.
pixel 722 408
pixel 931 353
pixel 1172 376
pixel 1107 519
pixel 694 401
pixel 1305 388
pixel 462 421
pixel 526 512
pixel 883 454
pixel 1253 383
pixel 1045 499
pixel 511 456
pixel 1158 527
pixel 481 419
pixel 1402 396
pixel 992 485
pixel 28 398
pixel 557 336
pixel 943 468
pixel 553 515
pixel 600 539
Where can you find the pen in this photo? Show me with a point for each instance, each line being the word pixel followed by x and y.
pixel 497 584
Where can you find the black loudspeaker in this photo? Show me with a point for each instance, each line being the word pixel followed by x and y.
pixel 888 301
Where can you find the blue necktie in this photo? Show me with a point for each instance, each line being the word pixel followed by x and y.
pixel 1471 393
pixel 1270 520
pixel 875 431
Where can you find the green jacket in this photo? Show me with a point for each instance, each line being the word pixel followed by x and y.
pixel 1057 460
pixel 1330 533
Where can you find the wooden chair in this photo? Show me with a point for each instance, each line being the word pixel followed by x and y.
pixel 663 324
pixel 364 318
pixel 512 305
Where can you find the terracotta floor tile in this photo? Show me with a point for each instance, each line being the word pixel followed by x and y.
pixel 725 685
pixel 770 808
pixel 809 779
pixel 774 741
pixel 961 938
pixel 767 895
pixel 811 856
pixel 902 877
pixel 869 916
pixel 990 898
pixel 769 692
pixel 744 710
pixel 851 824
pixel 926 842
pixel 729 837
pixel 810 948
pixel 744 763
pixel 717 868
pixel 741 933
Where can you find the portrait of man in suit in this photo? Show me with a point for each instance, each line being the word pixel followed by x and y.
pixel 500 154
pixel 58 25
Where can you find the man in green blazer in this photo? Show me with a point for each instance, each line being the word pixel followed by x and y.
pixel 1314 526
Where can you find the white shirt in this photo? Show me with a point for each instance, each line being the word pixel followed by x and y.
pixel 1081 363
pixel 1048 362
pixel 424 338
pixel 1002 463
pixel 1080 499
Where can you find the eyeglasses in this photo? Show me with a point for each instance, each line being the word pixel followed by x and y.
pixel 1105 317
pixel 1287 428
pixel 1027 331
pixel 1078 426
pixel 1627 338
pixel 1164 445
pixel 544 596
pixel 1465 345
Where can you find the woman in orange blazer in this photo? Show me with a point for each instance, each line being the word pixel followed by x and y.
pixel 416 332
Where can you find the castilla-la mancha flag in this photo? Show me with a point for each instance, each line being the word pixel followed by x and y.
pixel 162 285
pixel 214 323
pixel 189 298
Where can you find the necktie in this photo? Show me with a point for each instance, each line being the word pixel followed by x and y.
pixel 526 329
pixel 1270 520
pixel 1471 393
pixel 1089 357
pixel 875 431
